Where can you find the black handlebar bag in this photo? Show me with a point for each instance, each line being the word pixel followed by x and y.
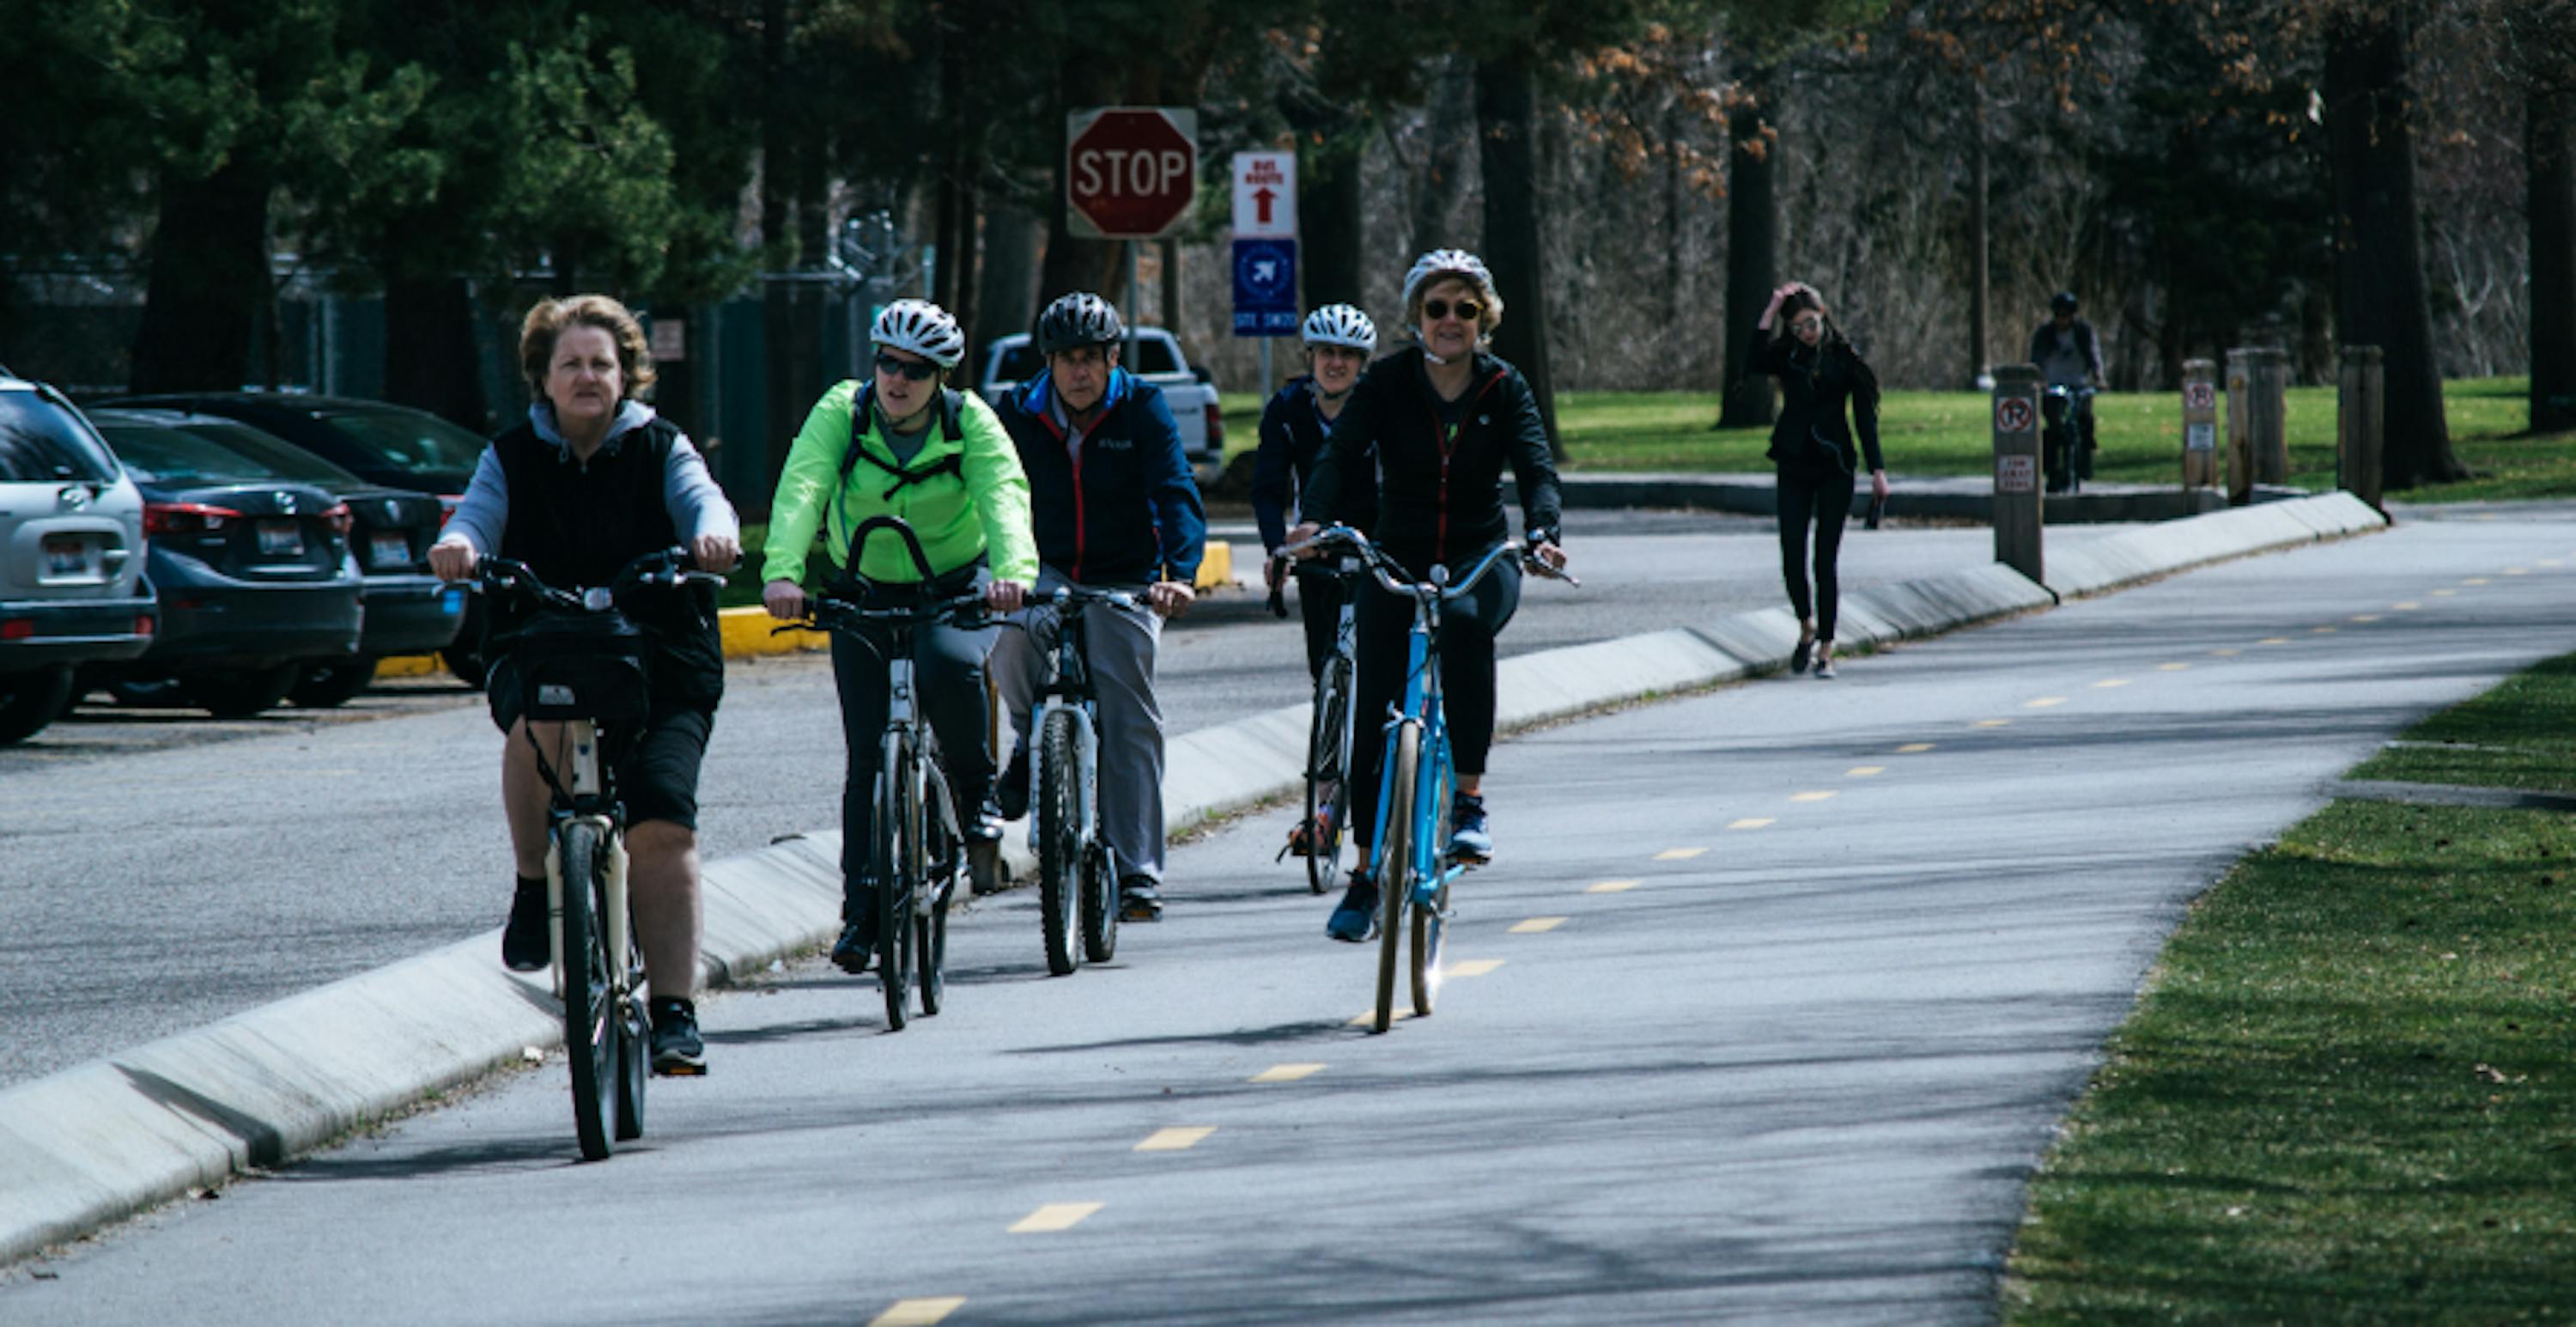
pixel 586 667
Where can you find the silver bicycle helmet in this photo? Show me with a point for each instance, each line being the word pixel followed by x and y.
pixel 923 328
pixel 1340 325
pixel 1448 262
pixel 1077 320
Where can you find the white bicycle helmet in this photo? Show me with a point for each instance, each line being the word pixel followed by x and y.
pixel 1340 325
pixel 1077 320
pixel 1449 262
pixel 923 328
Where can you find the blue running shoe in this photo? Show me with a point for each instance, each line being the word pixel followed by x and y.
pixel 1469 840
pixel 1355 920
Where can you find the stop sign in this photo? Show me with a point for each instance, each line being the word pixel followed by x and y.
pixel 1130 172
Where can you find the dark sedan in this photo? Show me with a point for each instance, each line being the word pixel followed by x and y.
pixel 408 611
pixel 254 574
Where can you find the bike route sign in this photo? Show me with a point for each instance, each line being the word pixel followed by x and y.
pixel 1265 287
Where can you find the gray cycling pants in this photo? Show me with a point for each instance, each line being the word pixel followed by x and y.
pixel 1122 645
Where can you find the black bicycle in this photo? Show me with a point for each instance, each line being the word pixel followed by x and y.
pixel 918 852
pixel 2068 436
pixel 581 664
pixel 1077 880
pixel 1331 722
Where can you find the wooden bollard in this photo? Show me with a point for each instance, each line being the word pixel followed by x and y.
pixel 2199 424
pixel 2017 494
pixel 2258 443
pixel 2361 422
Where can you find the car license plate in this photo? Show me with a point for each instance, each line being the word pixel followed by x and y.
pixel 389 548
pixel 281 538
pixel 66 557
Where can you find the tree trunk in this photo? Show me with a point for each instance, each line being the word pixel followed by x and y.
pixel 1752 254
pixel 1006 299
pixel 1331 224
pixel 1449 129
pixel 969 236
pixel 1673 324
pixel 2379 267
pixel 1980 248
pixel 209 279
pixel 1515 230
pixel 2549 148
pixel 430 358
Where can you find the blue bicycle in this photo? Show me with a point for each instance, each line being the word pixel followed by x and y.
pixel 1412 864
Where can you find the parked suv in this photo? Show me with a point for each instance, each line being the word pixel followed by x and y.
pixel 71 556
pixel 1010 362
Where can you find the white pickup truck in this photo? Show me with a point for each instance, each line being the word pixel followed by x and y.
pixel 1010 361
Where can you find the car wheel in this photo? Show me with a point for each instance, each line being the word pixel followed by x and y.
pixel 146 693
pixel 325 685
pixel 29 701
pixel 243 694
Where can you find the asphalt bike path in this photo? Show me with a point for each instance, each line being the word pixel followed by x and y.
pixel 1766 1013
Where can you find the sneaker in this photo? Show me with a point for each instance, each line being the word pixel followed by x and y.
pixel 857 947
pixel 677 1048
pixel 1011 795
pixel 1799 656
pixel 1469 839
pixel 1824 658
pixel 525 943
pixel 1139 900
pixel 1354 919
pixel 983 824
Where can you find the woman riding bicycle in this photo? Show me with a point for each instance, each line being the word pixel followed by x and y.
pixel 591 481
pixel 900 445
pixel 1439 421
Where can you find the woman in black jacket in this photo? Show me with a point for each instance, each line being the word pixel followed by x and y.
pixel 1441 420
pixel 1812 445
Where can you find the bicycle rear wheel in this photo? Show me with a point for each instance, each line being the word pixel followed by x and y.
pixel 895 852
pixel 590 1016
pixel 942 863
pixel 1396 875
pixel 1326 784
pixel 1431 917
pixel 634 1042
pixel 1060 864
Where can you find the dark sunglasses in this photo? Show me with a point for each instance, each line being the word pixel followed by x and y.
pixel 1433 310
pixel 919 370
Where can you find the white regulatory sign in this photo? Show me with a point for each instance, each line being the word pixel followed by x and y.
pixel 2200 437
pixel 1265 195
pixel 2016 473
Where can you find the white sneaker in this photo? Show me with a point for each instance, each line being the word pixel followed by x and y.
pixel 1824 658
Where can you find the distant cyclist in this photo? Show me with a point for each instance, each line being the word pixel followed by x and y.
pixel 1115 507
pixel 2068 355
pixel 589 482
pixel 1444 419
pixel 901 445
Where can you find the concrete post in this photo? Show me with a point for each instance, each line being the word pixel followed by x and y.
pixel 2017 495
pixel 2360 423
pixel 2199 424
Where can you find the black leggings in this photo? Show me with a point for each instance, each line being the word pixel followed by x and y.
pixel 948 683
pixel 1827 498
pixel 1467 629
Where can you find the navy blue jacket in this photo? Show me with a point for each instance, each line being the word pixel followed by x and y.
pixel 1126 513
pixel 1292 438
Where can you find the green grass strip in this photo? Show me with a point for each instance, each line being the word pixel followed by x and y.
pixel 2347 1094
pixel 2520 735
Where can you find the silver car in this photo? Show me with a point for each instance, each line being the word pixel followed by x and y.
pixel 71 556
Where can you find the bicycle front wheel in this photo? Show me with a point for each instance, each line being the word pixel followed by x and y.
pixel 942 864
pixel 1327 749
pixel 1060 864
pixel 591 1017
pixel 1396 874
pixel 1431 916
pixel 896 851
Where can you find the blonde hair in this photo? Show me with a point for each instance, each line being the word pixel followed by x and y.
pixel 547 321
pixel 1486 321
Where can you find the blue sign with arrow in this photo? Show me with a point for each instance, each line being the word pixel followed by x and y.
pixel 1265 287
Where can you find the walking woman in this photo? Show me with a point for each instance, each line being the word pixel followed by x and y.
pixel 1820 374
pixel 1443 418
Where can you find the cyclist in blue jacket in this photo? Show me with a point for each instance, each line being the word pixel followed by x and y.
pixel 1115 507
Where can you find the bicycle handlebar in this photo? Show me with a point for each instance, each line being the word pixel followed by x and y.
pixel 1391 575
pixel 658 570
pixel 828 613
pixel 911 542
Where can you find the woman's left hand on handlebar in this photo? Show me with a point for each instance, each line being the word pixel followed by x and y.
pixel 715 552
pixel 1878 484
pixel 1170 598
pixel 1005 596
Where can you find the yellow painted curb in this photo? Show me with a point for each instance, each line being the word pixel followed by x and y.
pixel 409 665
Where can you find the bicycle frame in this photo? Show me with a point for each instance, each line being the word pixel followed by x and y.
pixel 1070 689
pixel 1421 709
pixel 587 801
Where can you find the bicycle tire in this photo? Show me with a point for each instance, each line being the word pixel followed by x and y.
pixel 634 1040
pixel 1325 746
pixel 590 1021
pixel 894 891
pixel 943 862
pixel 1395 876
pixel 1430 920
pixel 1060 864
pixel 1100 903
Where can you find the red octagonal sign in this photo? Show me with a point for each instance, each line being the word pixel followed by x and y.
pixel 1130 172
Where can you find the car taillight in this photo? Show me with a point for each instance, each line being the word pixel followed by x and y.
pixel 338 519
pixel 143 624
pixel 185 518
pixel 1215 425
pixel 447 505
pixel 17 628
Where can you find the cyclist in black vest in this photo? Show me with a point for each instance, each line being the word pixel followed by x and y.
pixel 590 482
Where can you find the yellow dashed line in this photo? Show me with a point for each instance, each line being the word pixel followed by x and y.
pixel 2517 571
pixel 2321 631
pixel 2226 654
pixel 2475 580
pixel 1472 967
pixel 1914 748
pixel 1053 1217
pixel 1749 822
pixel 1287 1073
pixel 2171 667
pixel 1537 924
pixel 2109 682
pixel 918 1312
pixel 1864 771
pixel 1612 887
pixel 2365 617
pixel 2273 640
pixel 2409 605
pixel 1811 796
pixel 1179 1139
pixel 1993 723
pixel 1678 854
pixel 2044 702
pixel 2549 562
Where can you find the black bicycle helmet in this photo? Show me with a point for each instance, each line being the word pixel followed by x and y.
pixel 1077 320
pixel 2062 302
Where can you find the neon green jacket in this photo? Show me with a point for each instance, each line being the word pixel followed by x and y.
pixel 982 506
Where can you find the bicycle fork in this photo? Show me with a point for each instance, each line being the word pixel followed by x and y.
pixel 1086 769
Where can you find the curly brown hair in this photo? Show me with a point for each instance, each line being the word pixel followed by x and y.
pixel 547 320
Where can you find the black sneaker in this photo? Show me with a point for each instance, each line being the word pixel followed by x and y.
pixel 857 947
pixel 1011 795
pixel 525 944
pixel 983 834
pixel 677 1049
pixel 1139 900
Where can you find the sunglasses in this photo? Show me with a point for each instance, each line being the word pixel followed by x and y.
pixel 1433 310
pixel 1807 324
pixel 919 370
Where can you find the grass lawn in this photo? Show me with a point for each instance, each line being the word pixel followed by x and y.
pixel 1946 433
pixel 2346 1094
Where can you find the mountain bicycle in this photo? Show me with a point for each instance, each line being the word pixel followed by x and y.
pixel 1077 880
pixel 2068 436
pixel 581 665
pixel 1318 838
pixel 918 853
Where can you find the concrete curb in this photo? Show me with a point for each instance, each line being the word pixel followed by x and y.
pixel 104 1140
pixel 1939 497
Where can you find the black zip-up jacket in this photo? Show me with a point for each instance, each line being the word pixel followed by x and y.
pixel 1292 437
pixel 1815 386
pixel 1440 495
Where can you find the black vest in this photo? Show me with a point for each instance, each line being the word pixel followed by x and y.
pixel 578 523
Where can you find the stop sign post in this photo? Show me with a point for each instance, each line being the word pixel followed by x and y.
pixel 1130 172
